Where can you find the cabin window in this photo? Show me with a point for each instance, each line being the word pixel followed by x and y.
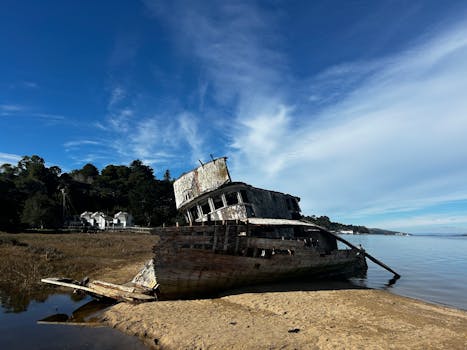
pixel 244 196
pixel 205 208
pixel 188 195
pixel 231 198
pixel 194 213
pixel 218 203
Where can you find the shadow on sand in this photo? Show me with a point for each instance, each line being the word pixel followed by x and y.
pixel 295 286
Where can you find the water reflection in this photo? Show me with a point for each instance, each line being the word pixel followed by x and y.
pixel 21 330
pixel 87 314
pixel 392 281
pixel 17 300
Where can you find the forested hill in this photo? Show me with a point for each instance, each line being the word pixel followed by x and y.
pixel 32 194
pixel 325 222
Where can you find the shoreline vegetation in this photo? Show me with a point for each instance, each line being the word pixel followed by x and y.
pixel 333 315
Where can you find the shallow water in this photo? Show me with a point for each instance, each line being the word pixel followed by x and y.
pixel 433 268
pixel 21 330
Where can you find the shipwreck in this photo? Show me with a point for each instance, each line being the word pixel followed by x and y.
pixel 235 235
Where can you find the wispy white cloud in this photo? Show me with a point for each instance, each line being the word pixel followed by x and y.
pixel 161 139
pixel 117 94
pixel 77 143
pixel 152 136
pixel 11 108
pixel 49 116
pixel 30 84
pixel 131 132
pixel 188 125
pixel 8 158
pixel 26 84
pixel 121 120
pixel 366 138
pixel 202 90
pixel 22 111
pixel 394 142
pixel 227 40
pixel 239 66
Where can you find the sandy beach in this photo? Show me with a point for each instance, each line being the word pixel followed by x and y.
pixel 312 319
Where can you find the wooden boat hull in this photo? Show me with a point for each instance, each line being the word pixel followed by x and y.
pixel 199 272
pixel 203 260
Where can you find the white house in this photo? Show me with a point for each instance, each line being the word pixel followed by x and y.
pixel 123 219
pixel 101 220
pixel 87 216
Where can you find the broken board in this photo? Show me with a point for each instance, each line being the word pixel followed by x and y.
pixel 132 293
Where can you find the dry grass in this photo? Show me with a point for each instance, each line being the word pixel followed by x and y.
pixel 26 258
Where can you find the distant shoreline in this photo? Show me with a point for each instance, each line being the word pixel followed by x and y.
pixel 405 234
pixel 375 231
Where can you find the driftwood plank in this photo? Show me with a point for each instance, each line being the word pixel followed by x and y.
pixel 105 289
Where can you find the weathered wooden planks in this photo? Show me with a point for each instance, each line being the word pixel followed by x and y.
pixel 105 289
pixel 234 258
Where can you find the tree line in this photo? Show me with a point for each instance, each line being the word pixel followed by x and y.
pixel 325 222
pixel 33 195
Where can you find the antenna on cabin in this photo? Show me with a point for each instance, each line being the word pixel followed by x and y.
pixel 200 162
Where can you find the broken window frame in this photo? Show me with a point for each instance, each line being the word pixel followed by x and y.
pixel 218 200
pixel 244 196
pixel 194 210
pixel 205 205
pixel 231 195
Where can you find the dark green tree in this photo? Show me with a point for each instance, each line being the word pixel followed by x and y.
pixel 10 204
pixel 87 174
pixel 167 176
pixel 41 211
pixel 111 188
pixel 142 193
pixel 32 193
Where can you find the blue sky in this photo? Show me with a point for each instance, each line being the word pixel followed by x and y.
pixel 358 107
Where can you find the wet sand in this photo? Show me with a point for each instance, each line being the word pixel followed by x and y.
pixel 310 319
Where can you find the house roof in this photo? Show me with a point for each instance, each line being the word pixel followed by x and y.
pixel 121 213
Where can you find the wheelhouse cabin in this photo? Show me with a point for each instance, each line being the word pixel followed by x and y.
pixel 207 193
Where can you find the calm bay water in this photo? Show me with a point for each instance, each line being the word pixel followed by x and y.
pixel 433 268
